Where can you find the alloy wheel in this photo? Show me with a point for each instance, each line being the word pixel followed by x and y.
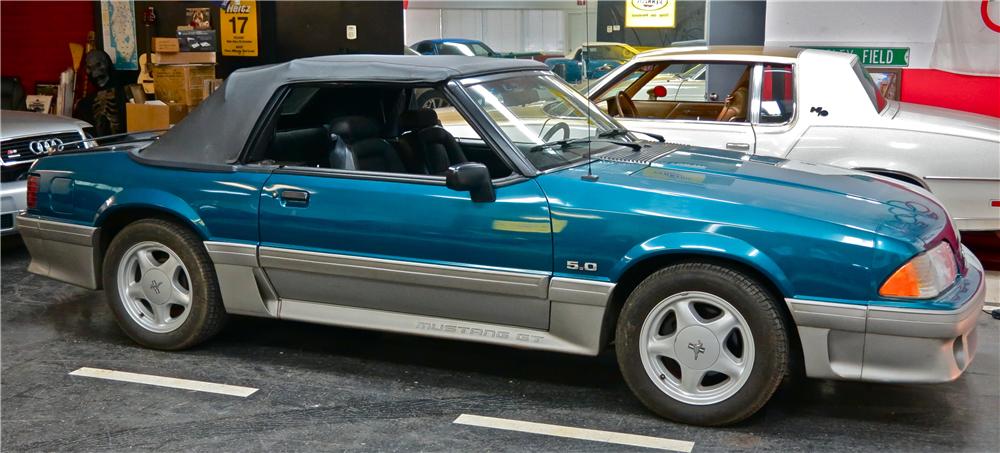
pixel 697 348
pixel 154 286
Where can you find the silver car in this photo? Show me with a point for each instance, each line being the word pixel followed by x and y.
pixel 810 105
pixel 24 137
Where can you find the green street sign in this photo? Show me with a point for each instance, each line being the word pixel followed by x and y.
pixel 876 56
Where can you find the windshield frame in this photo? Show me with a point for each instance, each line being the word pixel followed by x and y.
pixel 581 102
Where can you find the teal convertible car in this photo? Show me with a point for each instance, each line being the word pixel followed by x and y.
pixel 317 190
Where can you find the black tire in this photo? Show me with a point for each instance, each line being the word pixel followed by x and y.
pixel 432 95
pixel 207 316
pixel 755 304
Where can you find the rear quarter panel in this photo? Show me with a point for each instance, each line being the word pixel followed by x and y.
pixel 963 173
pixel 87 188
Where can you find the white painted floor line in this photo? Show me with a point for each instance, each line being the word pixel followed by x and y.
pixel 575 433
pixel 161 381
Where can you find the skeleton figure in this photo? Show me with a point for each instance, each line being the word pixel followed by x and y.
pixel 105 108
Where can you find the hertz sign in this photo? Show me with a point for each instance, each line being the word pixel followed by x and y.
pixel 650 13
pixel 238 28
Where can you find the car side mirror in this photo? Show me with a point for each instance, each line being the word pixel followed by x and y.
pixel 472 177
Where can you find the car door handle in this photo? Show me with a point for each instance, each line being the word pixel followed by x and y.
pixel 738 146
pixel 294 196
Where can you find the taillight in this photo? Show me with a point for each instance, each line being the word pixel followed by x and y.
pixel 32 193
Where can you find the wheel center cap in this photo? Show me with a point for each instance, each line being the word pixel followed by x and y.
pixel 156 286
pixel 696 347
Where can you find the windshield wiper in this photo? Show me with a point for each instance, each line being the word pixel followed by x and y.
pixel 571 141
pixel 620 132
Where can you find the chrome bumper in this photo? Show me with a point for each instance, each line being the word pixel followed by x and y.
pixel 885 344
pixel 62 251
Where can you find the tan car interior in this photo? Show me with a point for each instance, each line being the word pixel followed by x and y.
pixel 733 109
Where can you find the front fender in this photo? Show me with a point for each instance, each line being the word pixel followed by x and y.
pixel 159 200
pixel 705 244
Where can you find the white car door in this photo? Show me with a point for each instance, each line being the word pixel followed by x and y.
pixel 708 107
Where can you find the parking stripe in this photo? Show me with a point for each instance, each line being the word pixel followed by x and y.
pixel 575 433
pixel 161 381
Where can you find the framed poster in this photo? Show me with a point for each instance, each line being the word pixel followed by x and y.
pixel 118 30
pixel 887 80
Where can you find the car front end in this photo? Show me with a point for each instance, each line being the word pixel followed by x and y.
pixel 27 137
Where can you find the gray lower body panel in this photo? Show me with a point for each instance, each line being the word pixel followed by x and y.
pixel 63 251
pixel 883 344
pixel 499 297
pixel 528 310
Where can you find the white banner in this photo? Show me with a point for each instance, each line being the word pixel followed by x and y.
pixel 968 38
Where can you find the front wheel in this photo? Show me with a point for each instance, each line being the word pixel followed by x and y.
pixel 702 344
pixel 161 286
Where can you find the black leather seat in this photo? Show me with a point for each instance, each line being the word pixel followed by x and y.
pixel 358 146
pixel 426 147
pixel 304 147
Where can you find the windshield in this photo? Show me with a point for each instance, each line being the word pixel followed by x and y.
pixel 534 110
pixel 470 49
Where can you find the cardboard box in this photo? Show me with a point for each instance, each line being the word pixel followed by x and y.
pixel 182 84
pixel 150 116
pixel 184 58
pixel 167 45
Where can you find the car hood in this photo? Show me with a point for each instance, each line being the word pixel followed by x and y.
pixel 15 124
pixel 926 118
pixel 777 188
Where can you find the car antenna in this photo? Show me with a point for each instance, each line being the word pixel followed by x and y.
pixel 584 58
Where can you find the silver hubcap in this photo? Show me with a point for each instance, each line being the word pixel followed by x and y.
pixel 697 348
pixel 435 103
pixel 155 287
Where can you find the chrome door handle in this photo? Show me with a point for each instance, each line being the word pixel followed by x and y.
pixel 294 196
pixel 738 146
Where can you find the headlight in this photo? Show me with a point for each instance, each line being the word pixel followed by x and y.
pixel 926 275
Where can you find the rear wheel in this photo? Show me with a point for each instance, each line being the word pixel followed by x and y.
pixel 702 344
pixel 161 286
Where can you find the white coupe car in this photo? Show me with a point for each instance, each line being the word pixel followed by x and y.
pixel 810 105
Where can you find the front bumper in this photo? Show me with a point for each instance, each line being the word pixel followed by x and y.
pixel 887 344
pixel 64 251
pixel 12 201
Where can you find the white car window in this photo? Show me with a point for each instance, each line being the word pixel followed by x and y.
pixel 777 94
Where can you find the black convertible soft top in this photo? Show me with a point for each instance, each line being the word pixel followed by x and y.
pixel 216 131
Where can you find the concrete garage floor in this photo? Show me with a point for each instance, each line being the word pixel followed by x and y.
pixel 325 388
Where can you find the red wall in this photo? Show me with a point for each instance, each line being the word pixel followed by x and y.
pixel 35 37
pixel 977 94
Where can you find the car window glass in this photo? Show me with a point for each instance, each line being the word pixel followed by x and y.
pixel 536 110
pixel 467 49
pixel 776 94
pixel 682 91
pixel 370 128
pixel 874 95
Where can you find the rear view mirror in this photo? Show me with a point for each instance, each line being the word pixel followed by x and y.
pixel 472 177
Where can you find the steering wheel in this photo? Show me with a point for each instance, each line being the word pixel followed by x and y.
pixel 625 105
pixel 556 127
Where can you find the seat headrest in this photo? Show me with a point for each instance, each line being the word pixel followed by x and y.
pixel 415 120
pixel 354 128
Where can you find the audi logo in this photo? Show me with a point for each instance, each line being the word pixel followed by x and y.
pixel 45 146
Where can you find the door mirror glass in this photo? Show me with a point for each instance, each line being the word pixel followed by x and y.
pixel 472 177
